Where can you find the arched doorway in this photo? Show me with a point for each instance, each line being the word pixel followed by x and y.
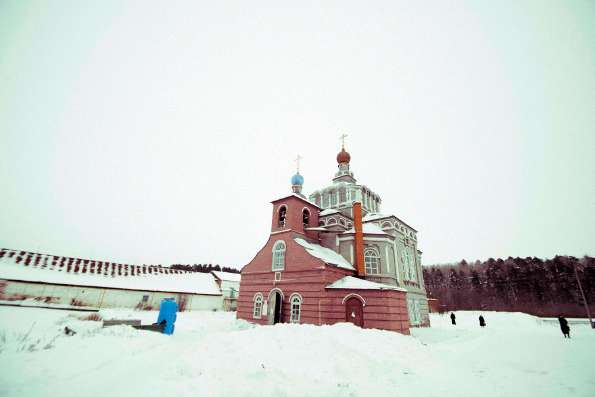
pixel 275 306
pixel 354 311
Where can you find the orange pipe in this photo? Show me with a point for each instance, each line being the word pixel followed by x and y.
pixel 359 239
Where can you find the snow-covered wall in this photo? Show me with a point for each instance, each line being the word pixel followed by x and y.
pixel 103 297
pixel 82 282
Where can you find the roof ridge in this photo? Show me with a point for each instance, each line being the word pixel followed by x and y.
pixel 75 265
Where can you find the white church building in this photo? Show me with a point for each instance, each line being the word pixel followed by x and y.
pixel 391 245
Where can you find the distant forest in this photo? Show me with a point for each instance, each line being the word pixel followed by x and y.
pixel 204 268
pixel 532 285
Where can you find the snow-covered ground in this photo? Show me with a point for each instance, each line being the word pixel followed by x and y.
pixel 213 354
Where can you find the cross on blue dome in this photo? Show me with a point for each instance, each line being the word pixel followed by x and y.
pixel 297 179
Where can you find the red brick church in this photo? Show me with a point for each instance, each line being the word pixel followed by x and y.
pixel 315 271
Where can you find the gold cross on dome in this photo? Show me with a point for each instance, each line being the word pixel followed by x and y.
pixel 297 162
pixel 342 138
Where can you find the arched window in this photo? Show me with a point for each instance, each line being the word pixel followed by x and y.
pixel 317 199
pixel 342 195
pixel 321 223
pixel 409 263
pixel 326 200
pixel 282 215
pixel 306 217
pixel 331 221
pixel 372 261
pixel 342 222
pixel 279 255
pixel 412 267
pixel 333 195
pixel 386 225
pixel 405 265
pixel 257 310
pixel 296 308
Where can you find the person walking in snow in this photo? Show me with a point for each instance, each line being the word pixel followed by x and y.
pixel 482 321
pixel 453 319
pixel 564 326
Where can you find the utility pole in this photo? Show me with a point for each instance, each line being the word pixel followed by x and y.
pixel 580 287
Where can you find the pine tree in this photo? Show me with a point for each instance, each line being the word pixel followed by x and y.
pixel 528 284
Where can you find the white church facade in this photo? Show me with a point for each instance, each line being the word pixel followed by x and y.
pixel 391 252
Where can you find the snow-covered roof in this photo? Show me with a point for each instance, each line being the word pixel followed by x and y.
pixel 350 282
pixel 317 229
pixel 303 198
pixel 369 228
pixel 328 211
pixel 42 268
pixel 325 254
pixel 227 276
pixel 372 216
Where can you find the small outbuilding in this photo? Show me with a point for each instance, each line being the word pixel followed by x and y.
pixel 74 282
pixel 434 305
pixel 229 284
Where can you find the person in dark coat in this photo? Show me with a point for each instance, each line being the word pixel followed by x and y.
pixel 482 321
pixel 69 332
pixel 453 319
pixel 564 326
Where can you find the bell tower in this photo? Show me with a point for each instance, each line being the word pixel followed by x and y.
pixel 294 213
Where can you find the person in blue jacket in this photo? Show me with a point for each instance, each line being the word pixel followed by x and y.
pixel 167 314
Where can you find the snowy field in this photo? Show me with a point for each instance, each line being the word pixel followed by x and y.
pixel 213 354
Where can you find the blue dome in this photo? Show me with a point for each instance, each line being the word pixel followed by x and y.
pixel 297 179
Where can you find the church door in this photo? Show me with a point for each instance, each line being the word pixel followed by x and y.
pixel 275 304
pixel 354 312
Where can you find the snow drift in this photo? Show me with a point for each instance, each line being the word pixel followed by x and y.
pixel 213 354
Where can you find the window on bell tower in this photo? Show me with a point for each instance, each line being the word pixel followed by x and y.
pixel 282 215
pixel 306 217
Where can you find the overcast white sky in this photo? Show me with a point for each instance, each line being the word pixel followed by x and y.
pixel 158 132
